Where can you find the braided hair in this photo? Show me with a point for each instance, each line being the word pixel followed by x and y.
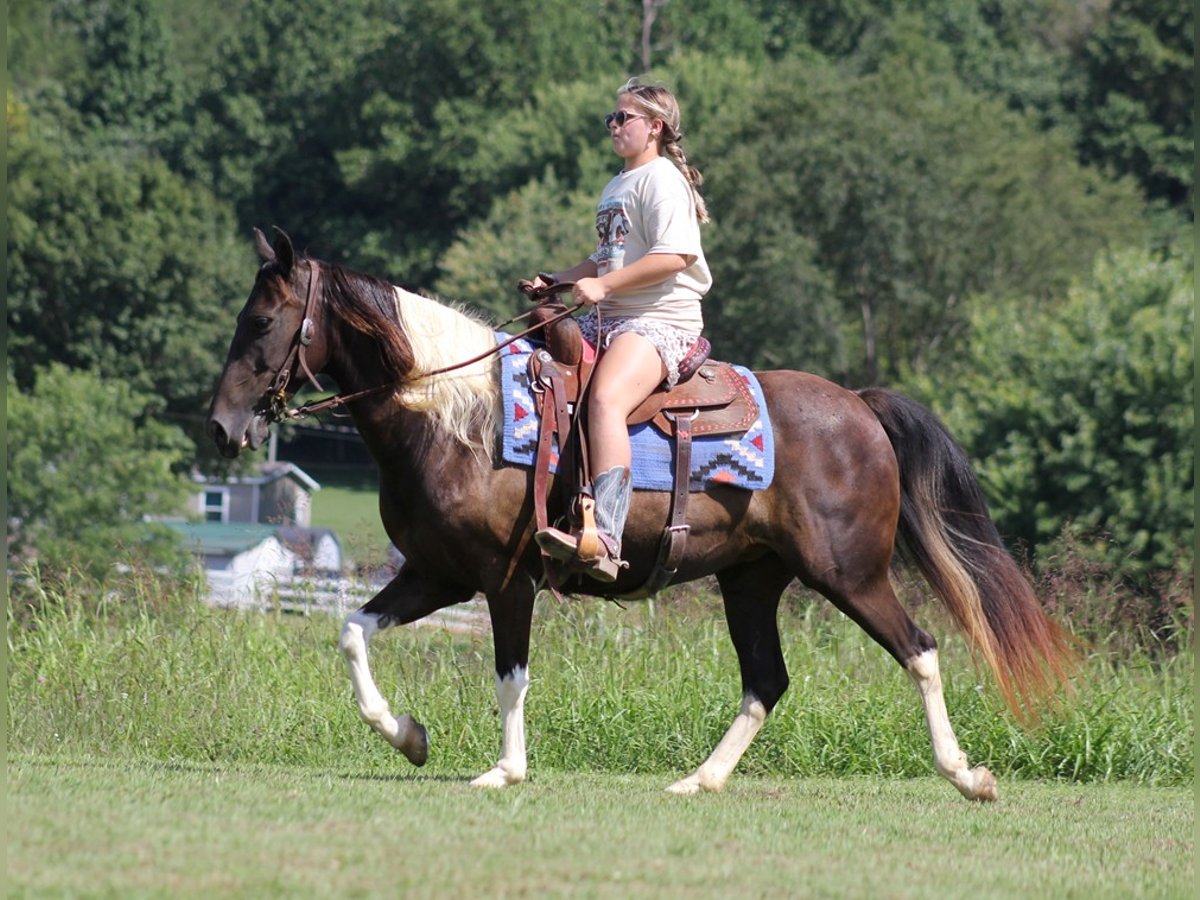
pixel 659 103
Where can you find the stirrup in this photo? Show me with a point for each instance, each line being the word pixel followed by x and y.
pixel 557 544
pixel 564 547
pixel 604 565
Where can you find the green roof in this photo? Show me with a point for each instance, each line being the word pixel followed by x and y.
pixel 220 537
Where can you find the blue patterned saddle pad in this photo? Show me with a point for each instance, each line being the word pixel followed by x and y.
pixel 743 461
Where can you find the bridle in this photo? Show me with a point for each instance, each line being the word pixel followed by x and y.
pixel 276 400
pixel 276 395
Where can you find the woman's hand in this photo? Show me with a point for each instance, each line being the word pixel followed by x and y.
pixel 590 291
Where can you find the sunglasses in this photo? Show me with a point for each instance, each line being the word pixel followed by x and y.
pixel 620 117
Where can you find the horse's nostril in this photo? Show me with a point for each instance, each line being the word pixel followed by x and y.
pixel 217 433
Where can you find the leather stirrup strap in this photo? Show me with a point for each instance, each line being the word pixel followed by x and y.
pixel 541 486
pixel 554 416
pixel 541 461
pixel 675 535
pixel 564 429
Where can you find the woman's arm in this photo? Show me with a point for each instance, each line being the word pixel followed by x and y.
pixel 652 268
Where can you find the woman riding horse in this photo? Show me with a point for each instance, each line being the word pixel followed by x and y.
pixel 857 474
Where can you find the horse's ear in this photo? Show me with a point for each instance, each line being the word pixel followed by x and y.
pixel 263 246
pixel 284 255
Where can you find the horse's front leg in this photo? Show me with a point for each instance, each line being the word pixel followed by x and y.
pixel 512 613
pixel 406 598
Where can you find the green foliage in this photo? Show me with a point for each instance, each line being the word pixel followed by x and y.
pixel 886 200
pixel 1080 414
pixel 715 28
pixel 40 48
pixel 1136 106
pixel 117 264
pixel 533 229
pixel 466 103
pixel 871 165
pixel 86 462
pixel 831 27
pixel 268 115
pixel 133 82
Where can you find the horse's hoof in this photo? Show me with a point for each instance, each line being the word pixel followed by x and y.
pixel 415 744
pixel 985 789
pixel 684 787
pixel 497 778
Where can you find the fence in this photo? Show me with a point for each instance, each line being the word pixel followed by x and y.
pixel 335 595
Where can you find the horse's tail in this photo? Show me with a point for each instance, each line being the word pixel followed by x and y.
pixel 946 531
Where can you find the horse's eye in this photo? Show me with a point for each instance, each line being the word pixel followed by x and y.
pixel 262 323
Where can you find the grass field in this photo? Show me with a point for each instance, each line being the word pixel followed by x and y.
pixel 348 502
pixel 161 746
pixel 93 827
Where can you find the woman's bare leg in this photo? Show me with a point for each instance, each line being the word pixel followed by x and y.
pixel 628 372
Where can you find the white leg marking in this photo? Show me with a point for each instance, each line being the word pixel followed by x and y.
pixel 510 692
pixel 404 734
pixel 948 759
pixel 714 772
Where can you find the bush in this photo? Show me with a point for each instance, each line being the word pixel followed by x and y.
pixel 1079 417
pixel 87 462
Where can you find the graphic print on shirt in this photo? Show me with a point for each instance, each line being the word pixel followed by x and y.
pixel 612 224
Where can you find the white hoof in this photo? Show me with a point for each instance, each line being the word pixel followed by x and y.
pixel 685 787
pixel 697 782
pixel 983 786
pixel 497 778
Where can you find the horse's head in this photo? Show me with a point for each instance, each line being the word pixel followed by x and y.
pixel 275 336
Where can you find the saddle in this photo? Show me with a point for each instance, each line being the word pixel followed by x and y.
pixel 711 398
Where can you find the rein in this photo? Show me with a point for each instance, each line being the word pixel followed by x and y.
pixel 278 410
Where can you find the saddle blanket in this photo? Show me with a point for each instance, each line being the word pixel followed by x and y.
pixel 743 461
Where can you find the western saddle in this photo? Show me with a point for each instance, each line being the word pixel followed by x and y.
pixel 711 398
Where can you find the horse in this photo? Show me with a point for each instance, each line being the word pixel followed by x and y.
pixel 864 479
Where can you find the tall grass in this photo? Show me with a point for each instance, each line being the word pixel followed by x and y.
pixel 646 689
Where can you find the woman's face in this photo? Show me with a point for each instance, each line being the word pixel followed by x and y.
pixel 635 141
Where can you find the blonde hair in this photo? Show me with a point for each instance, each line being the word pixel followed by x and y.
pixel 659 103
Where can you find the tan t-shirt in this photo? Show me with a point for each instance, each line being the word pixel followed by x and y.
pixel 651 209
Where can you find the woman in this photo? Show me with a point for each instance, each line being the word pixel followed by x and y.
pixel 646 279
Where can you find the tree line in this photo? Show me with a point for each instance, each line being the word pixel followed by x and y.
pixel 982 202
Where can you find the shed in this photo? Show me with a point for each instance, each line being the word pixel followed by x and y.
pixel 279 494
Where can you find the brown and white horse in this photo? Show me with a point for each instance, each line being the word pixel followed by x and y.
pixel 857 474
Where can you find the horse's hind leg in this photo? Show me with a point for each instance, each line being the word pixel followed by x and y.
pixel 751 592
pixel 973 783
pixel 876 609
pixel 406 598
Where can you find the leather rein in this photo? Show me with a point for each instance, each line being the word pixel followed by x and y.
pixel 276 399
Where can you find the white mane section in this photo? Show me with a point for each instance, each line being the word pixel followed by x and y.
pixel 466 401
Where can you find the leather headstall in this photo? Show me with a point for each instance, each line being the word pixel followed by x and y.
pixel 277 393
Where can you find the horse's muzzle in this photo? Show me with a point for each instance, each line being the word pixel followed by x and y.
pixel 231 441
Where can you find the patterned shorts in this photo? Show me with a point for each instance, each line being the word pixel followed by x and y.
pixel 671 343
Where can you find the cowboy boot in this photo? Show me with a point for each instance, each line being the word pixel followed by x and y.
pixel 599 551
pixel 597 547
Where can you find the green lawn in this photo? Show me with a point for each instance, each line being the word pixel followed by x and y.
pixel 349 504
pixel 91 826
pixel 159 747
